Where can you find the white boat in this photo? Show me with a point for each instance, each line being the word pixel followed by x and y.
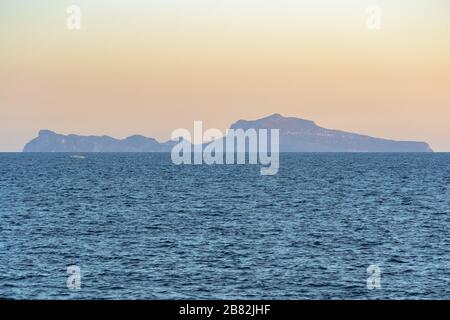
pixel 76 156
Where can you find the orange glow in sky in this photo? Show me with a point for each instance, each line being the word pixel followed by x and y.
pixel 149 67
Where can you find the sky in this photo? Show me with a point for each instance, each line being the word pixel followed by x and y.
pixel 151 66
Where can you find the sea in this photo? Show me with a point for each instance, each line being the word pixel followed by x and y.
pixel 137 226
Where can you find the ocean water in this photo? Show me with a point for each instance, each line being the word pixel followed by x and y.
pixel 140 227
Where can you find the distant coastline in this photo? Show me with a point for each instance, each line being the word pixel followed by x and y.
pixel 296 135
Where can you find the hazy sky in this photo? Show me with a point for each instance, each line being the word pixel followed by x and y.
pixel 151 66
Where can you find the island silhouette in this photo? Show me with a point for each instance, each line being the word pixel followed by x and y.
pixel 296 135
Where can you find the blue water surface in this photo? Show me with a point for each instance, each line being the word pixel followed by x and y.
pixel 140 227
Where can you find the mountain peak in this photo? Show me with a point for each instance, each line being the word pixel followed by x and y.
pixel 275 116
pixel 297 134
pixel 274 121
pixel 45 132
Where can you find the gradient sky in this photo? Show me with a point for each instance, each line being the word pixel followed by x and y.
pixel 149 67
